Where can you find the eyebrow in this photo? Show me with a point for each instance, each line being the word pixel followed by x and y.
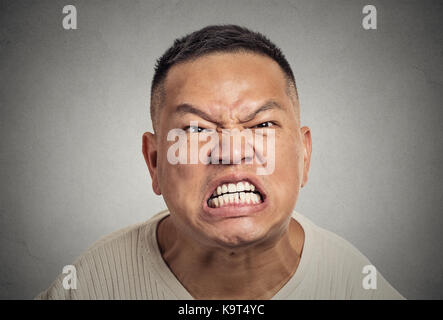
pixel 268 105
pixel 188 108
pixel 184 108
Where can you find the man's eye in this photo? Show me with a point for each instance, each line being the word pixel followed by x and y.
pixel 194 129
pixel 266 124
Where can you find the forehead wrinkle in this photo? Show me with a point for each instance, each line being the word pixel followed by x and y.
pixel 224 111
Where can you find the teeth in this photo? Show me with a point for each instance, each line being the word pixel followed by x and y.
pixel 234 198
pixel 234 193
pixel 234 187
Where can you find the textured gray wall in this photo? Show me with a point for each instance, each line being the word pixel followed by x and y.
pixel 74 105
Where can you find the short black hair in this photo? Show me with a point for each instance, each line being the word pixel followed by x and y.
pixel 213 39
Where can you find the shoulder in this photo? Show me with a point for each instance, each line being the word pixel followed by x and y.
pixel 338 247
pixel 121 242
pixel 108 261
pixel 125 238
pixel 341 266
pixel 328 244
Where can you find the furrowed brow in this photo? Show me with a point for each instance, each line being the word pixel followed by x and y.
pixel 185 108
pixel 269 105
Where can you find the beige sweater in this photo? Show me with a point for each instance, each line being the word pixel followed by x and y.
pixel 127 264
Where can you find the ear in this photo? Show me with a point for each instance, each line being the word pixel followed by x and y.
pixel 307 144
pixel 149 149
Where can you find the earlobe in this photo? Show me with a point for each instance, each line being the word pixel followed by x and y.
pixel 149 149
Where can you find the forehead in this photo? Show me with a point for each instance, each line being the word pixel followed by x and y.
pixel 226 79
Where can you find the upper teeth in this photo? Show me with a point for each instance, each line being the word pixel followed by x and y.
pixel 233 187
pixel 234 193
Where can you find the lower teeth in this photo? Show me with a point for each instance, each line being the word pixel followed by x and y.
pixel 234 198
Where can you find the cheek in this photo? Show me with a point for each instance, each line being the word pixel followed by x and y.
pixel 289 159
pixel 181 185
pixel 288 172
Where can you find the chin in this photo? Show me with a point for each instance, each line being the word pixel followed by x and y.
pixel 237 233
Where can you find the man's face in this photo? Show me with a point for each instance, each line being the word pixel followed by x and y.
pixel 225 91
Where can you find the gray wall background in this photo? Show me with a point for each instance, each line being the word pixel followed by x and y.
pixel 74 105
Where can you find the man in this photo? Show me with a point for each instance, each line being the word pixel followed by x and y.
pixel 230 231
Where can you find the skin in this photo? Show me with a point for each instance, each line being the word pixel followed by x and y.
pixel 249 256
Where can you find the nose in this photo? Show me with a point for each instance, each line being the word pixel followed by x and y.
pixel 233 147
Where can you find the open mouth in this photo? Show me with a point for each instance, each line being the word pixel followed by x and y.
pixel 239 193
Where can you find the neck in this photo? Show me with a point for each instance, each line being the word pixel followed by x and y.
pixel 257 272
